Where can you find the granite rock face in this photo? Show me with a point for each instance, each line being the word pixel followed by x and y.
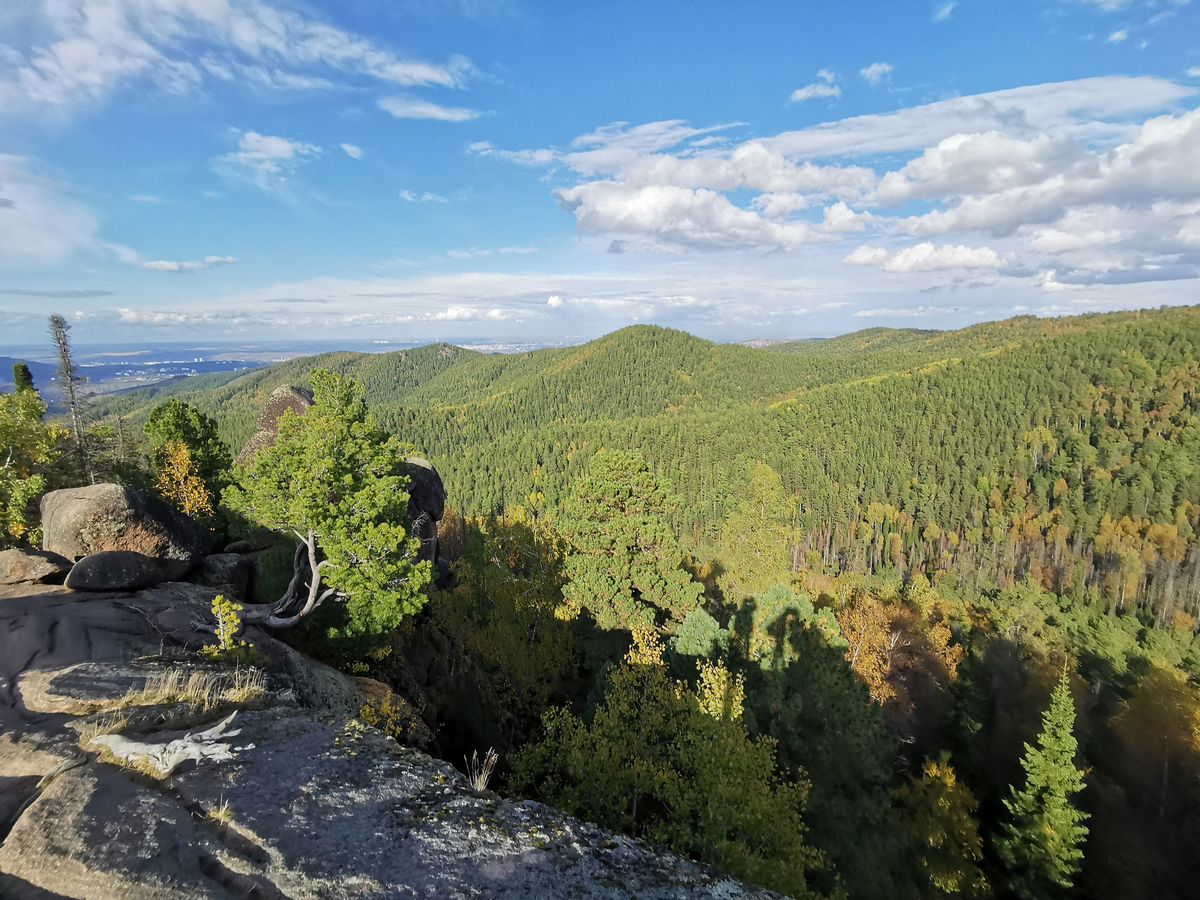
pixel 24 566
pixel 77 522
pixel 231 571
pixel 301 800
pixel 284 397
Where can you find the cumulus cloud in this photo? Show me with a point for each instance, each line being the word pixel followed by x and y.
pixel 37 223
pixel 1117 36
pixel 874 73
pixel 823 88
pixel 265 160
pixel 554 301
pixel 908 312
pixel 406 107
pixel 353 151
pixel 925 257
pixel 95 46
pixel 167 265
pixel 1062 173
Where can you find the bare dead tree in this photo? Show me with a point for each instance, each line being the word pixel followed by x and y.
pixel 300 598
pixel 68 376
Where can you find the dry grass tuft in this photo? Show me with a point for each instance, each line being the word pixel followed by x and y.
pixel 222 814
pixel 478 773
pixel 107 725
pixel 199 688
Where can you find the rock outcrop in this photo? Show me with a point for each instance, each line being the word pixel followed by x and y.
pixel 233 573
pixel 293 798
pixel 285 397
pixel 77 522
pixel 114 570
pixel 426 504
pixel 24 566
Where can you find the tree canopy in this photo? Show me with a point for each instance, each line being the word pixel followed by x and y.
pixel 338 480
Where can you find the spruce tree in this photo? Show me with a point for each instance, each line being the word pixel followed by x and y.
pixel 22 378
pixel 1041 845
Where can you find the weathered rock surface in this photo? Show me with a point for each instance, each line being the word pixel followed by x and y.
pixel 30 566
pixel 426 505
pixel 230 571
pixel 114 570
pixel 77 522
pixel 320 805
pixel 284 397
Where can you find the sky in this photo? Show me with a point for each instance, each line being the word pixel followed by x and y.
pixel 415 170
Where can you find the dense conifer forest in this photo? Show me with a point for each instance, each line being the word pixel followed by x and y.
pixel 938 591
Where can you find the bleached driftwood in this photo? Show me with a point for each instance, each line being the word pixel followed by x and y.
pixel 165 758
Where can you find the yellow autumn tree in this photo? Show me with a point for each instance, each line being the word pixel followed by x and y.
pixel 179 481
pixel 937 812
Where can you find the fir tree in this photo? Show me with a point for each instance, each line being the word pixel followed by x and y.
pixel 1041 844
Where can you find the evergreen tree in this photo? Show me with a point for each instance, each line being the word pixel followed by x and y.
pixel 22 378
pixel 1041 844
pixel 68 377
pixel 626 566
pixel 177 422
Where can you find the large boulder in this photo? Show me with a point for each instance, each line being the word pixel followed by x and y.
pixel 284 397
pixel 77 522
pixel 231 572
pixel 31 566
pixel 114 570
pixel 426 504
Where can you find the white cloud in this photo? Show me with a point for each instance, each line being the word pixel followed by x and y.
pixel 875 71
pixel 943 12
pixel 352 151
pixel 94 46
pixel 37 224
pixel 426 197
pixel 1117 36
pixel 517 249
pixel 145 198
pixel 908 312
pixel 554 301
pixel 1194 72
pixel 265 160
pixel 866 255
pixel 816 89
pixel 406 107
pixel 1095 110
pixel 1061 172
pixel 925 257
pixel 166 265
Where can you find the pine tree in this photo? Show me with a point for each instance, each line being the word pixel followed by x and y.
pixel 68 376
pixel 1041 844
pixel 22 378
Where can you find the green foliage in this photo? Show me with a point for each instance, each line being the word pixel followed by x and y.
pixel 501 609
pixel 175 421
pixel 335 473
pixel 676 766
pixel 1041 843
pixel 228 648
pixel 625 569
pixel 937 810
pixel 30 448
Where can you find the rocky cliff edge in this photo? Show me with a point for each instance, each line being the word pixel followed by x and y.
pixel 294 797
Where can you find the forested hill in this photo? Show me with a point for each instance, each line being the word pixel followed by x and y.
pixel 892 447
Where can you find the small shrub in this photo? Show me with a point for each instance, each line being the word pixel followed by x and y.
pixel 228 648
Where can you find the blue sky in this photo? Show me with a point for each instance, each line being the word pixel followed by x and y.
pixel 458 169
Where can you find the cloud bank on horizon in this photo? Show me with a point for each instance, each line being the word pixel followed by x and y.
pixel 360 184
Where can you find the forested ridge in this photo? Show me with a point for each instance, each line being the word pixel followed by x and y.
pixel 1065 445
pixel 897 614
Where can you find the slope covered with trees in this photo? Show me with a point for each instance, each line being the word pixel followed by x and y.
pixel 945 583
